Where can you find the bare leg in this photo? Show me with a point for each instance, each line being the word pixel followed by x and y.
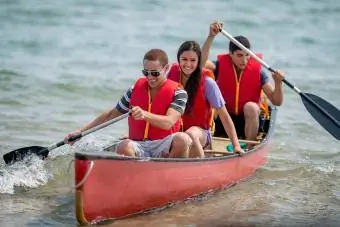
pixel 180 146
pixel 251 115
pixel 199 139
pixel 126 148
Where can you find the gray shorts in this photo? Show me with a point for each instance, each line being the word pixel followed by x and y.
pixel 153 148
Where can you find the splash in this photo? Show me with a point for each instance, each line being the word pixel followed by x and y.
pixel 34 172
pixel 28 174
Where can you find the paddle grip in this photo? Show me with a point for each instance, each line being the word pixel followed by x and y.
pixel 75 137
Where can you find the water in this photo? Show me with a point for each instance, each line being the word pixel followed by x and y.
pixel 63 63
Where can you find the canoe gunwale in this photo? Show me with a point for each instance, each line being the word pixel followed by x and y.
pixel 89 155
pixel 109 155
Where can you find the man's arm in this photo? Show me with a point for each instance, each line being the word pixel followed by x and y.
pixel 173 114
pixel 275 94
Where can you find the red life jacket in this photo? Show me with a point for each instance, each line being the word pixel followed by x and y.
pixel 237 93
pixel 143 130
pixel 201 113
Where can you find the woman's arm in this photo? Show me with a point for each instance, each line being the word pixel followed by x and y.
pixel 214 30
pixel 214 97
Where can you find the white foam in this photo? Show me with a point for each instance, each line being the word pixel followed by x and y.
pixel 29 173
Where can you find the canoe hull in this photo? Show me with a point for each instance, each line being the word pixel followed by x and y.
pixel 113 187
pixel 122 187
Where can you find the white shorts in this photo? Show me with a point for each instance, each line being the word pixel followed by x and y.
pixel 153 148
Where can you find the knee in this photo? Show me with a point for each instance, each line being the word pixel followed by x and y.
pixel 251 109
pixel 125 147
pixel 192 133
pixel 181 140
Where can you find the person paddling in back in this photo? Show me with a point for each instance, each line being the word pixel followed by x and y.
pixel 203 95
pixel 156 105
pixel 241 80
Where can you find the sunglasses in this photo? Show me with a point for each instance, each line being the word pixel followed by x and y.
pixel 154 73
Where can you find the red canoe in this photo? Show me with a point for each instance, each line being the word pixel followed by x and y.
pixel 112 187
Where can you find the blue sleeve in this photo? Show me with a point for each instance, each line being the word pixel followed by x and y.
pixel 124 103
pixel 264 77
pixel 213 93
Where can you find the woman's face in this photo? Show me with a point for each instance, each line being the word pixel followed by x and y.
pixel 188 61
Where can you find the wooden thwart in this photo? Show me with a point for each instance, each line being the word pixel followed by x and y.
pixel 218 152
pixel 241 141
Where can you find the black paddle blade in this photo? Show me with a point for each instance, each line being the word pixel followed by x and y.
pixel 21 153
pixel 325 113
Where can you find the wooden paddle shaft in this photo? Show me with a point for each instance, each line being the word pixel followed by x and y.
pixel 242 141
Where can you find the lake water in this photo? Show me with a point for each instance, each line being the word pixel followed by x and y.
pixel 64 62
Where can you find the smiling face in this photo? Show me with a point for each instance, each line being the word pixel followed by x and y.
pixel 155 66
pixel 240 58
pixel 188 62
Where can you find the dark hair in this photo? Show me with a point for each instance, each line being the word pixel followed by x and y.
pixel 194 80
pixel 157 55
pixel 243 40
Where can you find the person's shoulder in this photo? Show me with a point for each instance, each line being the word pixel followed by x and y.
pixel 210 85
pixel 173 66
pixel 140 80
pixel 210 65
pixel 209 80
pixel 180 91
pixel 177 85
pixel 264 77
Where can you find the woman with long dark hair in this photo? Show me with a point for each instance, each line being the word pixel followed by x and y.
pixel 203 95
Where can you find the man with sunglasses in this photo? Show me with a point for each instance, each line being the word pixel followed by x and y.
pixel 156 105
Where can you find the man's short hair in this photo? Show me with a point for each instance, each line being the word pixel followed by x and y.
pixel 243 40
pixel 157 55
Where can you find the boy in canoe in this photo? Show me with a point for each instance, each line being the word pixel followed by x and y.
pixel 203 95
pixel 241 80
pixel 156 105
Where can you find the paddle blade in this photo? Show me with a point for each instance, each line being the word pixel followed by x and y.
pixel 21 153
pixel 325 113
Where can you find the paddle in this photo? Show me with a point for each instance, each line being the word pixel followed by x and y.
pixel 323 112
pixel 42 152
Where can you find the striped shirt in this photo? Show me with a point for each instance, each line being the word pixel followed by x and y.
pixel 179 101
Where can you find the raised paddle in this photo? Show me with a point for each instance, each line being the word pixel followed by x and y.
pixel 323 112
pixel 42 152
